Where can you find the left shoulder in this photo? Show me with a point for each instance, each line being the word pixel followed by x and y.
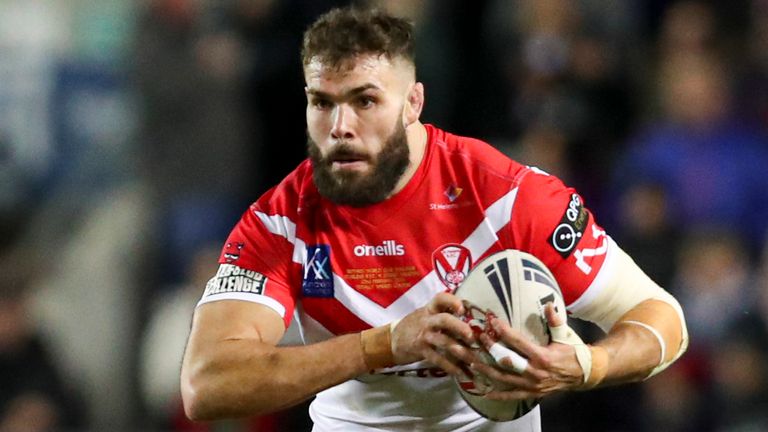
pixel 475 155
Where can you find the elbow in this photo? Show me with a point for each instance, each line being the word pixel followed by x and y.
pixel 206 397
pixel 197 398
pixel 192 397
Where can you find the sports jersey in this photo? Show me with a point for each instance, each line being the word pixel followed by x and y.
pixel 338 269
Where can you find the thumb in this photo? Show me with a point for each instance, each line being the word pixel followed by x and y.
pixel 559 329
pixel 553 319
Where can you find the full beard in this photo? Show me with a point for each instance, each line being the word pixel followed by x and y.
pixel 357 189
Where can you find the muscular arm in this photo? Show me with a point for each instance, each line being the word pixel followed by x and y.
pixel 646 332
pixel 232 367
pixel 648 336
pixel 645 325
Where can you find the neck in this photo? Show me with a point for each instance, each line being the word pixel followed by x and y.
pixel 417 145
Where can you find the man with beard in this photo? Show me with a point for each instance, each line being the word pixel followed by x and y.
pixel 364 243
pixel 350 187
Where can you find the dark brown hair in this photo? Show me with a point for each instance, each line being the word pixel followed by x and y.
pixel 342 34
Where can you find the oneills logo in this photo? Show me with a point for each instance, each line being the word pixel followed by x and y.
pixel 386 248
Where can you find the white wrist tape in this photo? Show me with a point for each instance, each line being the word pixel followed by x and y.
pixel 584 357
pixel 499 352
pixel 592 359
pixel 565 335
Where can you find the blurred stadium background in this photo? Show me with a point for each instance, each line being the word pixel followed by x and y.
pixel 133 134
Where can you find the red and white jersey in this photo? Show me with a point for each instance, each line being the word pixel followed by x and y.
pixel 345 269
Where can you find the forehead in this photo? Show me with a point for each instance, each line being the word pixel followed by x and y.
pixel 379 70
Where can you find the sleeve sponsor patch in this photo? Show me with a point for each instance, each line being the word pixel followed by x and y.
pixel 571 228
pixel 233 279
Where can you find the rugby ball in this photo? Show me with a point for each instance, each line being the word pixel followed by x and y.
pixel 514 286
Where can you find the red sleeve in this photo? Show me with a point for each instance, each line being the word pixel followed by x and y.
pixel 552 222
pixel 256 261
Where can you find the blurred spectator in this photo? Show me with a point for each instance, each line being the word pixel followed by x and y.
pixel 676 401
pixel 646 232
pixel 275 85
pixel 162 345
pixel 436 22
pixel 709 163
pixel 740 364
pixel 753 92
pixel 740 375
pixel 33 394
pixel 721 378
pixel 715 284
pixel 198 147
pixel 688 27
pixel 32 34
pixel 565 67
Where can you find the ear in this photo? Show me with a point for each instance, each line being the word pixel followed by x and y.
pixel 414 104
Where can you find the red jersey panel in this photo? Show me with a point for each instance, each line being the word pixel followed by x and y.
pixel 349 268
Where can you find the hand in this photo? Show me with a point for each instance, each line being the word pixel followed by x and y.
pixel 550 368
pixel 433 333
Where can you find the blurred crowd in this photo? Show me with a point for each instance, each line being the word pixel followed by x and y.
pixel 133 133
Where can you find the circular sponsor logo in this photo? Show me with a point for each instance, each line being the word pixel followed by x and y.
pixel 564 238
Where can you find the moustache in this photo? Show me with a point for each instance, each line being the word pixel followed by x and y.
pixel 345 152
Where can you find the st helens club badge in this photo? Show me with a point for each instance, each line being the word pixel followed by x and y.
pixel 452 263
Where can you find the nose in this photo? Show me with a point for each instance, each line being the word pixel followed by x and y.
pixel 343 122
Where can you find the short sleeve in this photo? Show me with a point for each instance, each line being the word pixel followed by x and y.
pixel 552 222
pixel 256 263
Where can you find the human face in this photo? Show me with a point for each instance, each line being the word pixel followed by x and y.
pixel 351 187
pixel 356 126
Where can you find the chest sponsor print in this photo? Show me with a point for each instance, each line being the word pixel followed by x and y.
pixel 383 285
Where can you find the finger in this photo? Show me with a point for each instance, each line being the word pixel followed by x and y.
pixel 443 342
pixel 553 319
pixel 510 395
pixel 511 338
pixel 442 361
pixel 466 355
pixel 508 358
pixel 531 372
pixel 445 302
pixel 508 379
pixel 453 326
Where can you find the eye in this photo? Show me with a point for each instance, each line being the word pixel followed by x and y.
pixel 366 101
pixel 321 104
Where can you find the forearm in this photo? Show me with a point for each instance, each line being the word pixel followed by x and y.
pixel 645 325
pixel 631 353
pixel 232 367
pixel 242 377
pixel 644 341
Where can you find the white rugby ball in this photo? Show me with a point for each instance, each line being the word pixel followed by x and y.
pixel 514 286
